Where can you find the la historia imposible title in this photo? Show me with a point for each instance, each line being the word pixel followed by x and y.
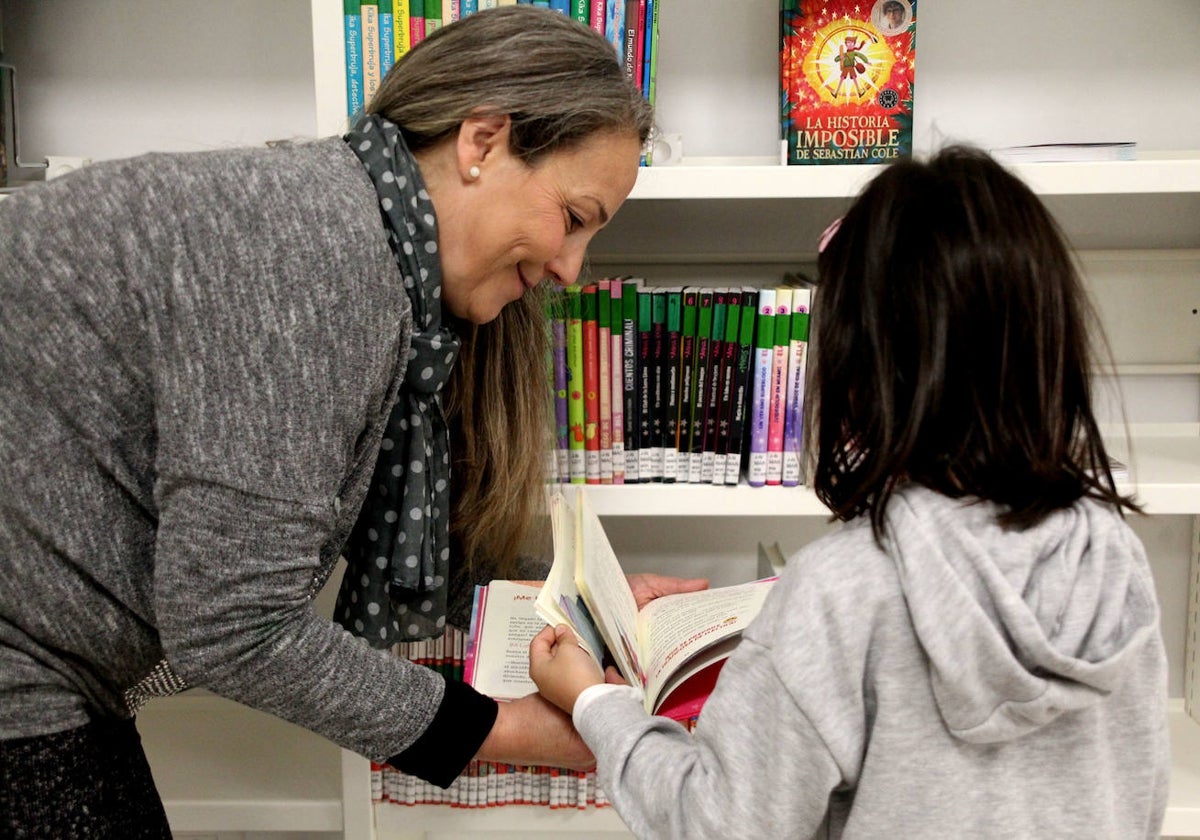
pixel 848 138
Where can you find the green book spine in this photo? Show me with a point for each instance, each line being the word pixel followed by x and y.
pixel 575 444
pixel 704 314
pixel 687 371
pixel 671 385
pixel 645 356
pixel 630 378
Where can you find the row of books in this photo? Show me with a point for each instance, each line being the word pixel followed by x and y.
pixel 378 32
pixel 483 784
pixel 679 384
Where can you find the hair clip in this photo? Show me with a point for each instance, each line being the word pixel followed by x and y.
pixel 828 233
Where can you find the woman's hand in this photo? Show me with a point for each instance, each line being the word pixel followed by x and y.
pixel 647 587
pixel 560 667
pixel 533 731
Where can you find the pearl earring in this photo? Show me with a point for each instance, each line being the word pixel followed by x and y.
pixel 473 172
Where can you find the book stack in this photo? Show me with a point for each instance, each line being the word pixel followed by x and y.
pixel 483 784
pixel 679 384
pixel 378 32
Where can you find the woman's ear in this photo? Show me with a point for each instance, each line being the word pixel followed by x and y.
pixel 481 140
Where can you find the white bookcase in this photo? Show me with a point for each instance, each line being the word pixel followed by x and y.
pixel 229 73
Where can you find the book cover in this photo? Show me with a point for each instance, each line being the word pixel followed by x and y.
pixel 760 395
pixel 401 28
pixel 741 386
pixel 670 412
pixel 687 378
pixel 777 408
pixel 504 621
pixel 614 26
pixel 630 377
pixel 729 354
pixel 673 648
pixel 576 460
pixel 416 22
pixel 658 380
pixel 387 36
pixel 352 26
pixel 604 380
pixel 793 431
pixel 562 425
pixel 700 372
pixel 616 385
pixel 645 388
pixel 591 383
pixel 846 80
pixel 712 398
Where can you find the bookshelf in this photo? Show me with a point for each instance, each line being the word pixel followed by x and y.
pixel 726 215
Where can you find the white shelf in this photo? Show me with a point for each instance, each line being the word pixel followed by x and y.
pixel 1152 172
pixel 1166 468
pixel 221 766
pixel 394 820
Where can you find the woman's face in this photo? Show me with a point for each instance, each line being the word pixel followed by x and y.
pixel 516 225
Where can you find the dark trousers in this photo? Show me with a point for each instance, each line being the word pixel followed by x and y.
pixel 90 782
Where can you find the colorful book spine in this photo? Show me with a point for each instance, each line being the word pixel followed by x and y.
pixel 604 379
pixel 687 369
pixel 777 411
pixel 467 8
pixel 793 431
pixel 561 422
pixel 760 397
pixel 712 398
pixel 387 37
pixel 596 16
pixel 577 467
pixel 614 24
pixel 658 380
pixel 352 25
pixel 616 386
pixel 401 28
pixel 743 379
pixel 630 377
pixel 700 367
pixel 416 22
pixel 645 356
pixel 729 353
pixel 649 36
pixel 670 373
pixel 591 385
pixel 630 58
pixel 372 60
pixel 433 16
pixel 579 11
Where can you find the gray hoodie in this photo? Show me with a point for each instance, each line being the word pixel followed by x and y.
pixel 968 681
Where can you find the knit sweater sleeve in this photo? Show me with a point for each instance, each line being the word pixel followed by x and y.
pixel 274 351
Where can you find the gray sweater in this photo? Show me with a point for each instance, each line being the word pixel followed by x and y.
pixel 970 681
pixel 197 356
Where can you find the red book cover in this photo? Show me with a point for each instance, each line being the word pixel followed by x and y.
pixel 846 80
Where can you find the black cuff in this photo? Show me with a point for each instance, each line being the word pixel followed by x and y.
pixel 458 729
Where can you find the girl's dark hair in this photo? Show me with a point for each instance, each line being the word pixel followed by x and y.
pixel 951 348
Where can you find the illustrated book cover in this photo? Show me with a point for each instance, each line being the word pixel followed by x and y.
pixel 846 72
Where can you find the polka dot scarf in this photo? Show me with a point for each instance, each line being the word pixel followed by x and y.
pixel 398 553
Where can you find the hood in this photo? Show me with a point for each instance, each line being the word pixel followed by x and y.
pixel 1019 626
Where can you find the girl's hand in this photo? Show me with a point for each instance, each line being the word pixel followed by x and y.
pixel 647 587
pixel 560 667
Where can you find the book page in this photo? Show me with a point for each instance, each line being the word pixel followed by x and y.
pixel 559 601
pixel 675 628
pixel 602 583
pixel 504 623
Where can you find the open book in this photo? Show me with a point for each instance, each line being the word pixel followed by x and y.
pixel 674 647
pixel 672 650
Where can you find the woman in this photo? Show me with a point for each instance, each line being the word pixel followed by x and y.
pixel 976 652
pixel 209 361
